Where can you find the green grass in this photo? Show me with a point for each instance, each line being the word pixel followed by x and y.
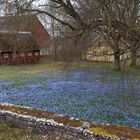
pixel 11 132
pixel 16 72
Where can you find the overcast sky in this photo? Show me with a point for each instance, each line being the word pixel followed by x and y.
pixel 46 23
pixel 40 2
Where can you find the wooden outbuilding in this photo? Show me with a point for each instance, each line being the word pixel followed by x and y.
pixel 22 39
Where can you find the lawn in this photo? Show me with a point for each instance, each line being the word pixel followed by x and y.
pixel 14 72
pixel 84 90
pixel 14 133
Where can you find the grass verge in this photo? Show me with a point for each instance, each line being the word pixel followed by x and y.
pixel 11 132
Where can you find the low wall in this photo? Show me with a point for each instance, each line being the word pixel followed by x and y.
pixel 59 131
pixel 49 126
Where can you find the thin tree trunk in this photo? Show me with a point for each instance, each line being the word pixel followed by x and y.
pixel 117 64
pixel 133 59
pixel 55 52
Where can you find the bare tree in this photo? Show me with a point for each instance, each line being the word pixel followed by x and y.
pixel 15 21
pixel 133 31
pixel 114 20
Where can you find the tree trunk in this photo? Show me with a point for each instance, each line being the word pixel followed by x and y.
pixel 55 53
pixel 133 59
pixel 117 64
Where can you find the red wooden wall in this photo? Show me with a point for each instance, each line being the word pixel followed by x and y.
pixel 19 58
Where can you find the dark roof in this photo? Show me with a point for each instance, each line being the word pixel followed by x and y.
pixel 16 33
pixel 17 42
pixel 16 23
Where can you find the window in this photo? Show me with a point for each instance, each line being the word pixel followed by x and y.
pixel 36 53
pixel 22 54
pixel 29 54
pixel 94 52
pixel 15 55
pixel 104 52
pixel 6 56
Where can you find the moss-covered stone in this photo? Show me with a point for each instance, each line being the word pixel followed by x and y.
pixel 113 131
pixel 100 131
pixel 116 131
pixel 43 114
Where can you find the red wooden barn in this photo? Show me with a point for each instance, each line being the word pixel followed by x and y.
pixel 22 39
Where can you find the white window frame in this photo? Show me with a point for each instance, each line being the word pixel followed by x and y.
pixel 6 55
pixel 15 55
pixel 36 53
pixel 22 55
pixel 29 53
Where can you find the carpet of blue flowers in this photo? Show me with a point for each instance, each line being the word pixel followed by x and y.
pixel 93 94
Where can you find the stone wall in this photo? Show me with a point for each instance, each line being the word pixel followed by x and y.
pixel 49 127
